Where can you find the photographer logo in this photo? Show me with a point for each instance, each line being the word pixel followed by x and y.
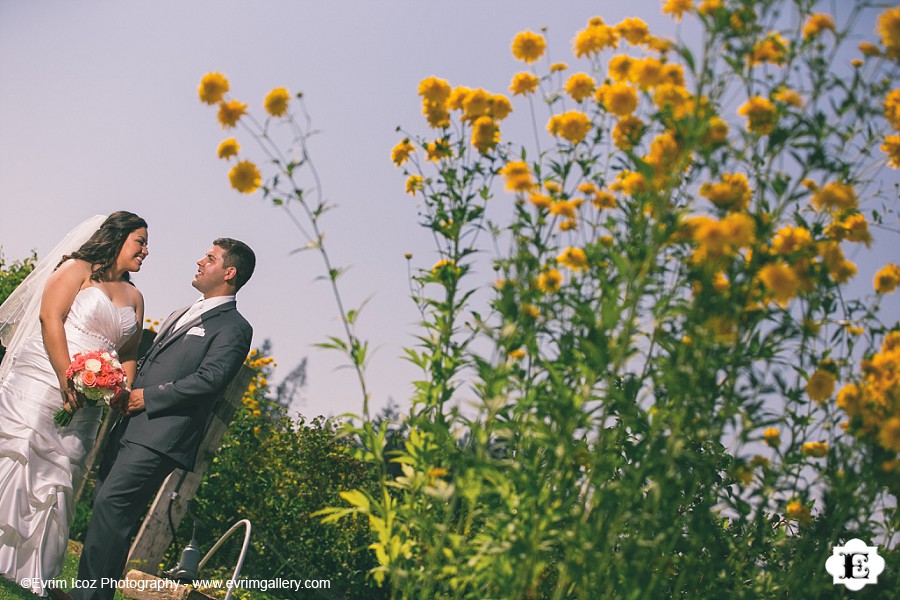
pixel 855 565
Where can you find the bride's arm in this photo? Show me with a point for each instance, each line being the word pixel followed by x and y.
pixel 59 293
pixel 128 353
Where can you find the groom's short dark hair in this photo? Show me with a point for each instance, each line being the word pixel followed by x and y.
pixel 240 256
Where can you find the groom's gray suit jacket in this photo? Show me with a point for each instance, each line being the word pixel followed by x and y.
pixel 183 375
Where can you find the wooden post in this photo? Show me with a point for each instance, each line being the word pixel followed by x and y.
pixel 155 534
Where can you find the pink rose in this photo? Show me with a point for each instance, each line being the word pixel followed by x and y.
pixel 89 378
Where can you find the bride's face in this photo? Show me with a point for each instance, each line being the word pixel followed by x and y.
pixel 134 250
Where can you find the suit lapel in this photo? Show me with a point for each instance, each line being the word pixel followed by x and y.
pixel 171 336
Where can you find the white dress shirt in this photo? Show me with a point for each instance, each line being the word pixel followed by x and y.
pixel 201 306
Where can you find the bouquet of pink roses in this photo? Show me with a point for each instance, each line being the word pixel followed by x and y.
pixel 97 376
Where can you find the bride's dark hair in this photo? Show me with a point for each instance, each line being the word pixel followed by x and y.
pixel 103 247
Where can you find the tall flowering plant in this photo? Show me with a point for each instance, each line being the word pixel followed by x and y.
pixel 672 389
pixel 670 319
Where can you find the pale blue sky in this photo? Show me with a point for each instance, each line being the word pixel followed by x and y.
pixel 99 112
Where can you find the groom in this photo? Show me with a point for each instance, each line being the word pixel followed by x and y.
pixel 195 356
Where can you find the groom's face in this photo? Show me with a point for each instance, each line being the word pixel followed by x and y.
pixel 212 274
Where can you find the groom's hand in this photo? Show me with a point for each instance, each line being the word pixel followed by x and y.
pixel 135 402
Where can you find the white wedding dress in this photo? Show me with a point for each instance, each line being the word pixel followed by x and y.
pixel 40 462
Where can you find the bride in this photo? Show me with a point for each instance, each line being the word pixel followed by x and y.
pixel 82 303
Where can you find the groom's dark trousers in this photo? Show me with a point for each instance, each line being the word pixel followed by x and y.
pixel 183 375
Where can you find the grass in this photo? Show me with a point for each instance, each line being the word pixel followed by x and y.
pixel 11 591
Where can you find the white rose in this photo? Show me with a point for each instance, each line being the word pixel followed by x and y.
pixel 92 364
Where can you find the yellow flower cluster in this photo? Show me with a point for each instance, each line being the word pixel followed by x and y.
pixel 835 196
pixel 401 152
pixel 572 125
pixel 816 24
pixel 732 193
pixel 887 279
pixel 762 116
pixel 889 30
pixel 772 49
pixel 580 86
pixel 717 239
pixel 618 98
pixel 595 38
pixel 213 87
pixel 815 449
pixel 228 148
pixel 873 404
pixel 820 385
pixel 891 147
pixel 517 176
pixel 677 8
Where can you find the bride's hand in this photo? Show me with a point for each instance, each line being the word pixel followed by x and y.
pixel 71 400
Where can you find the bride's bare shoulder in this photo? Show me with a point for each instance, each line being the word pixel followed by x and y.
pixel 72 269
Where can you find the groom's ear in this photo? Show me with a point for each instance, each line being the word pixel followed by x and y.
pixel 230 274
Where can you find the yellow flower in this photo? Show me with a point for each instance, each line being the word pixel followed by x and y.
pixel 523 83
pixel 733 192
pixel 797 511
pixel 413 184
pixel 400 153
pixel 869 49
pixel 212 88
pixel 889 30
pixel 552 186
pixel 772 437
pixel 820 386
pixel 891 147
pixel 852 227
pixel 761 115
pixel 781 281
pixel 674 74
pixel 476 104
pixel 604 199
pixel 435 91
pixel 788 96
pixel 499 107
pixel 709 7
pixel 531 310
pixel 437 150
pixel 228 148
pixel 560 66
pixel 620 68
pixel 647 73
pixel 550 281
pixel 835 195
pixel 517 354
pixel 540 200
pixel 230 113
pixel 618 98
pixel 517 176
pixel 887 278
pixel 572 125
pixel 579 86
pixel 457 97
pixel 634 30
pixel 839 268
pixel 816 24
pixel 574 258
pixel 889 436
pixel 437 116
pixel 627 132
pixel 772 49
pixel 245 177
pixel 566 208
pixel 443 264
pixel 528 46
pixel 815 449
pixel 485 134
pixel 892 108
pixel 676 8
pixel 594 39
pixel 276 102
pixel 740 229
pixel 790 239
pixel 630 183
pixel 716 132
